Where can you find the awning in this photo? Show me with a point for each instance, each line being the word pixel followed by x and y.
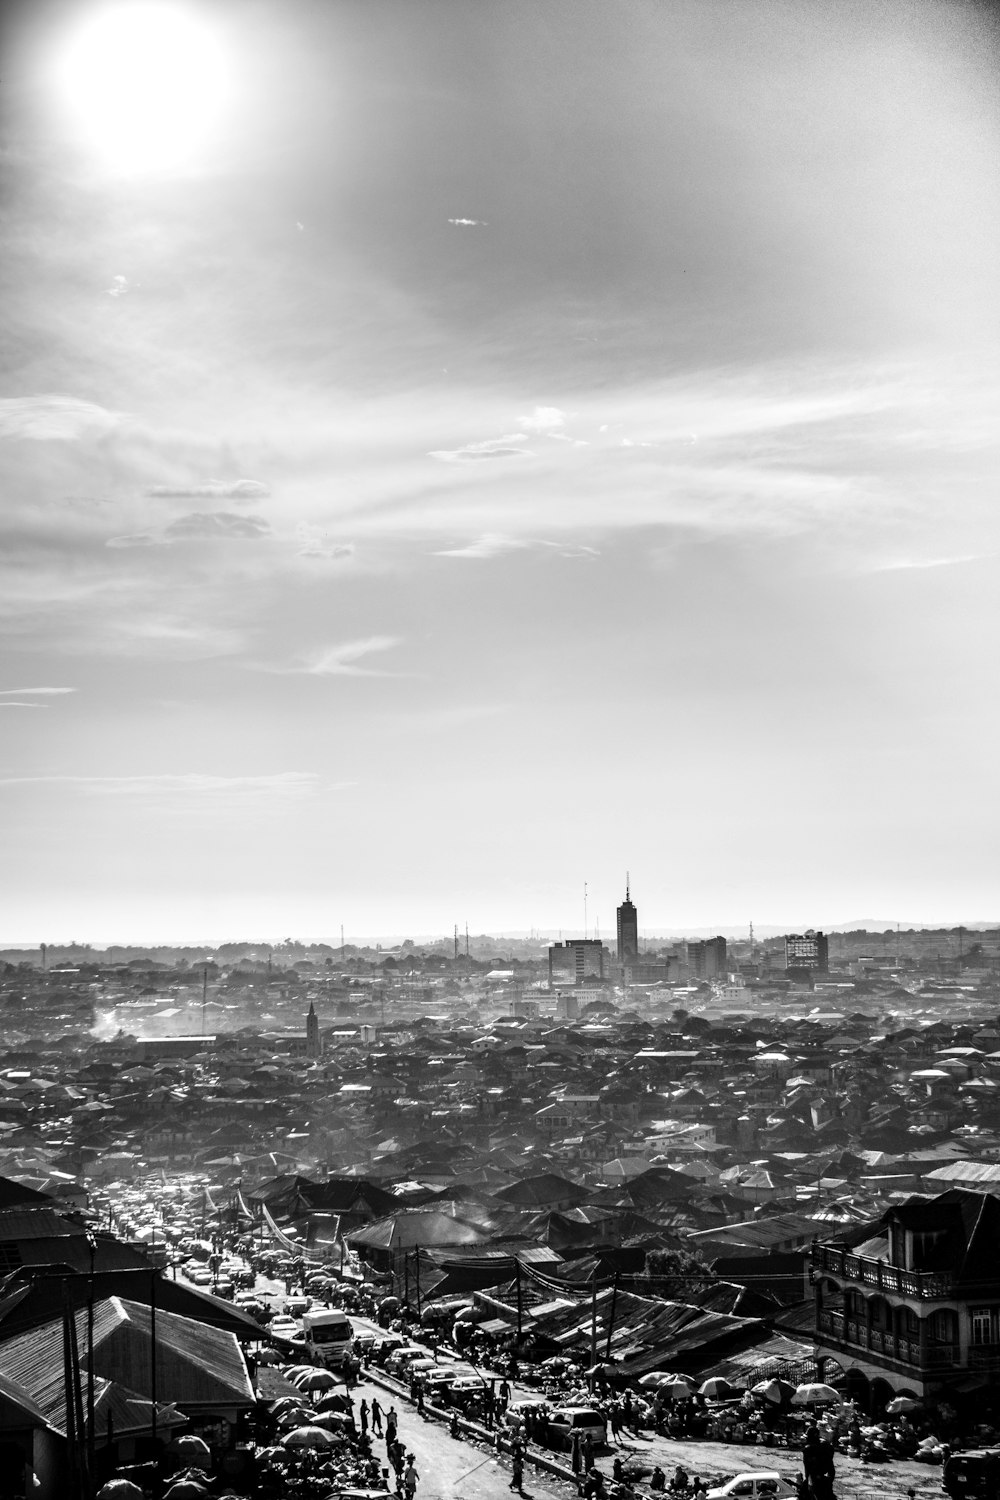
pixel 495 1326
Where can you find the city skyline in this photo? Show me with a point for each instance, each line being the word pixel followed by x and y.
pixel 452 452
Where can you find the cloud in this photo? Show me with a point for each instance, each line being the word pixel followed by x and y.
pixel 492 448
pixel 35 692
pixel 338 553
pixel 54 418
pixel 543 418
pixel 492 544
pixel 11 704
pixel 118 288
pixel 136 539
pixel 469 223
pixel 339 661
pixel 214 525
pixel 929 562
pixel 212 489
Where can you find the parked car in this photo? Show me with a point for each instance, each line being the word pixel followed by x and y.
pixel 972 1474
pixel 759 1482
pixel 585 1420
pixel 399 1359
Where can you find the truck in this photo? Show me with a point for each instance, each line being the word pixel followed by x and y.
pixel 329 1336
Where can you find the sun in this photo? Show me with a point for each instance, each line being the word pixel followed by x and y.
pixel 145 83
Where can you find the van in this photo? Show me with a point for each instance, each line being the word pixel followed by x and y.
pixel 588 1422
pixel 972 1474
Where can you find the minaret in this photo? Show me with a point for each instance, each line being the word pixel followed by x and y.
pixel 314 1044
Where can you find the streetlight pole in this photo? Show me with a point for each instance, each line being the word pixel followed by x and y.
pixel 91 1435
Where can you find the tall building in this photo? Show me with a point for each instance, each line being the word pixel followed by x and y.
pixel 314 1044
pixel 576 961
pixel 807 950
pixel 709 959
pixel 628 930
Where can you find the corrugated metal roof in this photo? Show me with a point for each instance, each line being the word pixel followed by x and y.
pixel 196 1366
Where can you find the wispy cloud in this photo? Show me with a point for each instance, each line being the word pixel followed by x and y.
pixel 902 564
pixel 54 418
pixel 35 692
pixel 15 703
pixel 492 544
pixel 543 419
pixel 502 447
pixel 469 223
pixel 199 526
pixel 212 489
pixel 340 660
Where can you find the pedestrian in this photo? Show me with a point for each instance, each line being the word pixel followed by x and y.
pixel 363 1414
pixel 410 1478
pixel 587 1452
pixel 576 1457
pixel 376 1417
pixel 516 1466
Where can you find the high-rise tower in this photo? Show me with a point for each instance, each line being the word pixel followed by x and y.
pixel 628 929
pixel 314 1043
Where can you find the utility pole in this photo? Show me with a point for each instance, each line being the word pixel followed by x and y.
pixel 585 911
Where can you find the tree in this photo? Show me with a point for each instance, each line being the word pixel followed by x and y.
pixel 677 1274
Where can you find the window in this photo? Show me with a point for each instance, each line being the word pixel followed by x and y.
pixel 982 1325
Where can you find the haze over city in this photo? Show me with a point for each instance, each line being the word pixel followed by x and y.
pixel 453 452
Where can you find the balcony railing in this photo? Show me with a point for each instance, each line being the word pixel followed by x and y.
pixel 886 1345
pixel 879 1274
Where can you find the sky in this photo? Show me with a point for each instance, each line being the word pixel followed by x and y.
pixel 450 453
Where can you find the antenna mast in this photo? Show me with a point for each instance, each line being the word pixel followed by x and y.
pixel 585 928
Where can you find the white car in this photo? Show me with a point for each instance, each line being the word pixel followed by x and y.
pixel 567 1420
pixel 766 1483
pixel 284 1328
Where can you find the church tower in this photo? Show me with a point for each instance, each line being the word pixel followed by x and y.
pixel 314 1045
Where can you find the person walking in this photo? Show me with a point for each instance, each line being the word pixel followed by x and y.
pixel 410 1477
pixel 516 1466
pixel 363 1415
pixel 376 1417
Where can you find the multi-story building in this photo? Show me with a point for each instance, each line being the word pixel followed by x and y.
pixel 807 950
pixel 911 1305
pixel 576 961
pixel 628 930
pixel 707 960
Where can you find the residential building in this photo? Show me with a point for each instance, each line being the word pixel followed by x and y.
pixel 807 950
pixel 912 1304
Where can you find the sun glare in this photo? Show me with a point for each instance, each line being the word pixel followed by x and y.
pixel 145 83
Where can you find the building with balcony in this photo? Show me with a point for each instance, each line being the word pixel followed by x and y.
pixel 911 1305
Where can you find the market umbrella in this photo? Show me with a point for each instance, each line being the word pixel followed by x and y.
pixel 120 1489
pixel 309 1436
pixel 717 1389
pixel 677 1387
pixel 654 1377
pixel 194 1449
pixel 814 1394
pixel 335 1421
pixel 290 1371
pixel 286 1403
pixel 899 1404
pixel 294 1417
pixel 335 1401
pixel 185 1489
pixel 609 1371
pixel 316 1380
pixel 775 1391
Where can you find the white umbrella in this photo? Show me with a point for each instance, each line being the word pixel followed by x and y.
pixel 816 1395
pixel 899 1404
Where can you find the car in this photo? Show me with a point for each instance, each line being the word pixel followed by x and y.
pixel 297 1303
pixel 283 1328
pixel 971 1474
pixel 586 1420
pixel 516 1411
pixel 754 1483
pixel 399 1359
